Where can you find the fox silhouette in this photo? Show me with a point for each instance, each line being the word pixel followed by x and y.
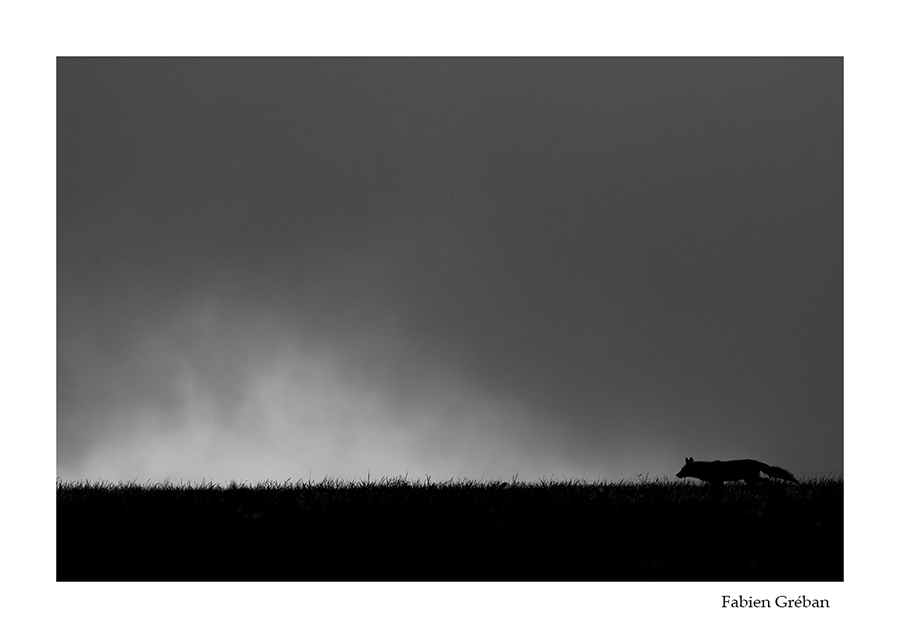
pixel 719 471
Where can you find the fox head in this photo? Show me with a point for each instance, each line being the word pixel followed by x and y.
pixel 686 470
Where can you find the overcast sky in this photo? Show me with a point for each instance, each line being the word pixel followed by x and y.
pixel 273 268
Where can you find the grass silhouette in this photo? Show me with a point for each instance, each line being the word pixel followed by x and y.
pixel 459 530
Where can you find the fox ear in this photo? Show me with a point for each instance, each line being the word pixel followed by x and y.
pixel 686 460
pixel 691 460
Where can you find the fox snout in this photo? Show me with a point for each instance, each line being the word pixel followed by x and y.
pixel 682 473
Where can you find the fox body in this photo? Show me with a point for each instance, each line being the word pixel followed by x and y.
pixel 718 471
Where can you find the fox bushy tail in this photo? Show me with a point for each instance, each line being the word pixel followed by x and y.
pixel 777 472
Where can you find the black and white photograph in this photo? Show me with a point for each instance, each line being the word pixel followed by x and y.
pixel 519 319
pixel 470 319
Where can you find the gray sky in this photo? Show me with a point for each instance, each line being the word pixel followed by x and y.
pixel 452 267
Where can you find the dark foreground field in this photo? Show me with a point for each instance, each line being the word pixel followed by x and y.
pixel 459 530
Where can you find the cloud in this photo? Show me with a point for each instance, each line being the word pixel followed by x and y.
pixel 233 394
